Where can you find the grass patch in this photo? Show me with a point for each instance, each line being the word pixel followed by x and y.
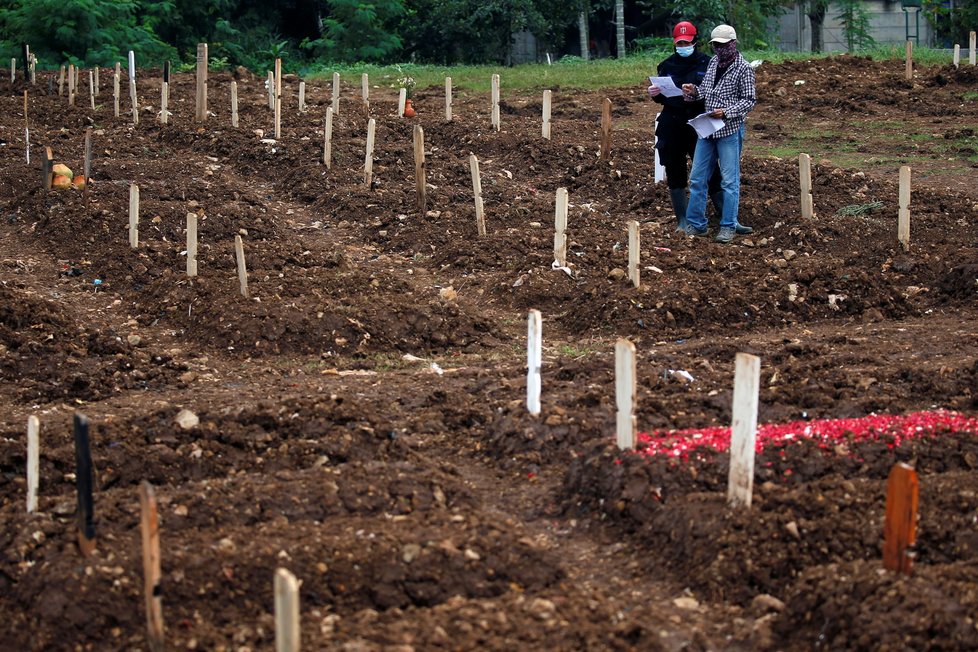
pixel 569 72
pixel 970 96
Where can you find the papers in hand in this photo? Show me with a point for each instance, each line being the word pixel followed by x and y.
pixel 705 125
pixel 667 86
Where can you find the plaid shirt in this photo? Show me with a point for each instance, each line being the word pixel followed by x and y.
pixel 735 93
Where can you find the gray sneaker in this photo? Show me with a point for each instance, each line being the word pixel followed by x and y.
pixel 697 233
pixel 726 234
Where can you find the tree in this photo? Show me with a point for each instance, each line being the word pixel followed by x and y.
pixel 359 31
pixel 855 24
pixel 749 17
pixel 816 10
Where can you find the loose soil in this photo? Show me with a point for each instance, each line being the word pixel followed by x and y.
pixel 362 417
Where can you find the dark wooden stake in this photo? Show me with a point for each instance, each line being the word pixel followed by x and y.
pixel 150 528
pixel 166 72
pixel 900 528
pixel 83 482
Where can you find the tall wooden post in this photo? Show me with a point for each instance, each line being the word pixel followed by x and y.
pixel 805 181
pixel 328 139
pixel 448 99
pixel 164 103
pixel 900 525
pixel 903 221
pixel 495 102
pixel 560 228
pixel 201 103
pixel 368 161
pixel 115 94
pixel 908 71
pixel 191 245
pixel 33 461
pixel 605 129
pixel 242 268
pixel 480 215
pixel 286 612
pixel 278 99
pixel 743 431
pixel 634 253
pixel 419 169
pixel 625 393
pixel 84 485
pixel 547 95
pixel 971 49
pixel 71 84
pixel 336 93
pixel 133 215
pixel 234 104
pixel 149 526
pixel 534 361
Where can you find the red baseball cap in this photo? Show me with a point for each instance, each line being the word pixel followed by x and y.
pixel 683 31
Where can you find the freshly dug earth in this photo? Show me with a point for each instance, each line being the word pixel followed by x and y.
pixel 362 417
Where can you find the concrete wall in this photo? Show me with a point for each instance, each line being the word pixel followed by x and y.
pixel 886 25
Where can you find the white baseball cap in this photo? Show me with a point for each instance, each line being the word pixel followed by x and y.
pixel 723 34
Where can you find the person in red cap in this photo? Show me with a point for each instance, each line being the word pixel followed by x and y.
pixel 675 139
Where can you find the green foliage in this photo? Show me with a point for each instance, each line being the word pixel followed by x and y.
pixel 855 24
pixel 751 18
pixel 358 31
pixel 85 31
pixel 951 21
pixel 653 44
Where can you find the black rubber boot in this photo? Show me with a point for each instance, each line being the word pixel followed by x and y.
pixel 678 196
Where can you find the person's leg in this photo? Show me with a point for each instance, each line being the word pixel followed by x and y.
pixel 716 192
pixel 728 152
pixel 673 158
pixel 703 163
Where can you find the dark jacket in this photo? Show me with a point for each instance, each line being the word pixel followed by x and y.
pixel 683 70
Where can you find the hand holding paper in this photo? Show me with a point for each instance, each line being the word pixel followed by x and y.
pixel 667 86
pixel 705 125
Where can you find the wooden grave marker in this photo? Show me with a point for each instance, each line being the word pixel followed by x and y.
pixel 419 169
pixel 234 104
pixel 368 161
pixel 33 461
pixel 134 100
pixel 401 102
pixel 84 485
pixel 91 90
pixel 805 182
pixel 743 430
pixel 164 103
pixel 956 58
pixel 87 166
pixel 336 93
pixel 61 81
pixel 605 129
pixel 364 88
pixel 115 94
pixel 448 99
pixel 534 361
pixel 328 139
pixel 270 83
pixel 27 131
pixel 971 49
pixel 287 637
pixel 495 102
pixel 71 84
pixel 625 393
pixel 547 99
pixel 302 97
pixel 149 526
pixel 908 69
pixel 480 211
pixel 13 69
pixel 900 526
pixel 242 269
pixel 634 253
pixel 903 218
pixel 97 85
pixel 191 244
pixel 133 216
pixel 278 99
pixel 560 228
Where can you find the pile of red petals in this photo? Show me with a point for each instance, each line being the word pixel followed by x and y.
pixel 828 433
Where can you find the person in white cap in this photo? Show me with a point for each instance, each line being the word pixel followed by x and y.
pixel 730 92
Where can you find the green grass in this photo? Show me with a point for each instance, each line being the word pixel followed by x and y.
pixel 569 72
pixel 970 96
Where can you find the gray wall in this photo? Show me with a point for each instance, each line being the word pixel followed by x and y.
pixel 886 21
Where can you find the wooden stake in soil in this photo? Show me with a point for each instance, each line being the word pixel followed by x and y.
pixel 27 131
pixel 903 221
pixel 495 102
pixel 97 85
pixel 302 97
pixel 84 484
pixel 448 99
pixel 278 99
pixel 166 71
pixel 560 228
pixel 13 70
pixel 401 102
pixel 242 270
pixel 364 88
pixel 660 170
pixel 132 66
pixel 743 431
pixel 115 93
pixel 133 216
pixel 336 93
pixel 534 361
pixel 47 174
pixel 134 100
pixel 201 103
pixel 191 245
pixel 900 526
pixel 164 103
pixel 87 169
pixel 91 90
pixel 908 71
pixel 625 392
pixel 547 96
pixel 286 612
pixel 971 49
pixel 71 84
pixel 149 526
pixel 328 139
pixel 605 129
pixel 33 461
pixel 634 253
pixel 234 104
pixel 419 175
pixel 956 59
pixel 270 83
pixel 368 161
pixel 61 81
pixel 805 180
pixel 480 214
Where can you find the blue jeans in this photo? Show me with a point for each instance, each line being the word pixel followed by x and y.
pixel 708 151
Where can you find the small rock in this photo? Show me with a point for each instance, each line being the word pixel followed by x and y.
pixel 410 552
pixel 448 294
pixel 765 602
pixel 781 263
pixel 792 529
pixel 226 545
pixel 542 608
pixel 133 339
pixel 187 419
pixel 433 214
pixel 181 510
pixel 686 602
pixel 472 555
pixel 616 274
pixel 188 377
pixel 789 254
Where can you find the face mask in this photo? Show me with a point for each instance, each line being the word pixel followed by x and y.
pixel 685 51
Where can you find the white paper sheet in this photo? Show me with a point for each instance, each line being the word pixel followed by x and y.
pixel 667 86
pixel 705 125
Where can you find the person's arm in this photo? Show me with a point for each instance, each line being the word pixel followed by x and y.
pixel 747 90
